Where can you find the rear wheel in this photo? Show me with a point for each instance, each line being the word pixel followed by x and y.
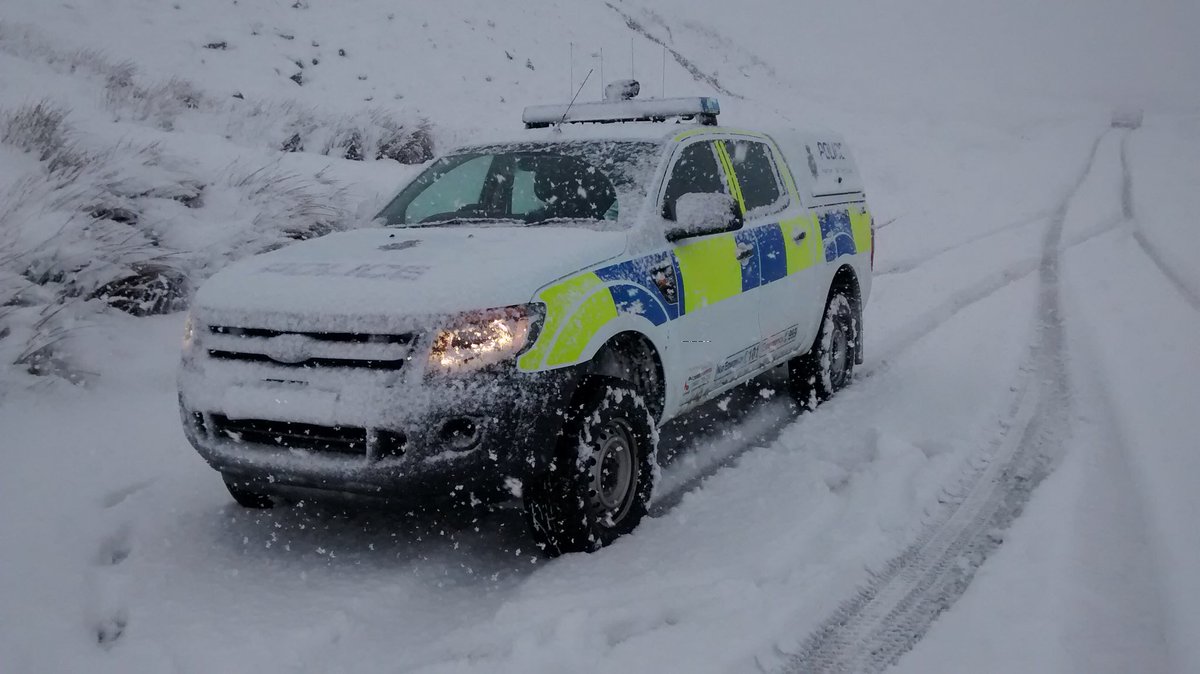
pixel 602 476
pixel 828 366
pixel 248 494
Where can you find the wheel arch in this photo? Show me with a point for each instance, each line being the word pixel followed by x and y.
pixel 845 279
pixel 631 356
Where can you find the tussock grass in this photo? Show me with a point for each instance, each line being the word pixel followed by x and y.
pixel 368 135
pixel 93 228
pixel 126 227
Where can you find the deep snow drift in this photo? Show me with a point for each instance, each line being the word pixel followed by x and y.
pixel 980 129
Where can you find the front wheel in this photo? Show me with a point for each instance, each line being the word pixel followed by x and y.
pixel 828 366
pixel 599 484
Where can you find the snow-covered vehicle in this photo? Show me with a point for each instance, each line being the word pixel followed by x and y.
pixel 529 312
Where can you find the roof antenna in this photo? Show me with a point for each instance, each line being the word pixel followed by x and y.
pixel 602 72
pixel 568 110
pixel 571 60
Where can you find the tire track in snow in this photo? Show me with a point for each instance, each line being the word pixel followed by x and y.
pixel 767 423
pixel 1192 297
pixel 764 421
pixel 1115 502
pixel 905 266
pixel 935 318
pixel 872 629
pixel 778 418
pixel 1190 294
pixel 1126 179
pixel 931 320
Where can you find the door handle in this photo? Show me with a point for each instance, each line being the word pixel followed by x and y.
pixel 800 235
pixel 663 276
pixel 744 251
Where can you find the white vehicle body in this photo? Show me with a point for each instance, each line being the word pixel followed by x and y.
pixel 325 364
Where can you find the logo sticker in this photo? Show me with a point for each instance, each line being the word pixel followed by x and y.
pixel 288 349
pixel 812 162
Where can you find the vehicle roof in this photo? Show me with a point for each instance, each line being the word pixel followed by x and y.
pixel 656 132
pixel 619 131
pixel 831 168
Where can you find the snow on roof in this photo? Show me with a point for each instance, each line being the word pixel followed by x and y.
pixel 657 132
pixel 704 109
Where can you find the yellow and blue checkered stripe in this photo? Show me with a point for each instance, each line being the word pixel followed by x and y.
pixel 660 287
pixel 665 285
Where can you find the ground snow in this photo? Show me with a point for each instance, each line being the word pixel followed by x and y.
pixel 122 552
pixel 1099 575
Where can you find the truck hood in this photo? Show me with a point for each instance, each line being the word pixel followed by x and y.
pixel 390 273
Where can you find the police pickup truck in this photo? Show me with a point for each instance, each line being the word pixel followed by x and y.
pixel 525 314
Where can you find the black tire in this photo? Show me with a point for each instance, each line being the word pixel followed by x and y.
pixel 248 494
pixel 600 481
pixel 828 366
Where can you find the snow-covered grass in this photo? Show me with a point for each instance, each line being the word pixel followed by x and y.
pixel 145 140
pixel 175 103
pixel 127 225
pixel 125 193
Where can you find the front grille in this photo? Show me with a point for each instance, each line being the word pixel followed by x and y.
pixel 310 362
pixel 297 349
pixel 334 439
pixel 356 337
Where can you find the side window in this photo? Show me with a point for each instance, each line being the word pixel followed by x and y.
pixel 696 171
pixel 755 173
pixel 459 186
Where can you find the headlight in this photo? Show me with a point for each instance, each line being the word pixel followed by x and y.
pixel 189 333
pixel 485 338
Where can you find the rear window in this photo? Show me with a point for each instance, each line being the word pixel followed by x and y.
pixel 756 175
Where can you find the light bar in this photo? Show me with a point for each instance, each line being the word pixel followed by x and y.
pixel 704 108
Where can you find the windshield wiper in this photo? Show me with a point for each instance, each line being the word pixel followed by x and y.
pixel 562 221
pixel 466 221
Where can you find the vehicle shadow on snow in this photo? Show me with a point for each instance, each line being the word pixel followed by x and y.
pixel 482 541
pixel 712 437
pixel 719 417
pixel 466 545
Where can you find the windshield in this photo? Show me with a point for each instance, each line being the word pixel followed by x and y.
pixel 586 183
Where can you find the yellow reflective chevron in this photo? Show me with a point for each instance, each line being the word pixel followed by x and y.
pixel 731 177
pixel 711 271
pixel 575 310
pixel 860 227
pixel 587 320
pixel 805 252
pixel 579 307
pixel 802 253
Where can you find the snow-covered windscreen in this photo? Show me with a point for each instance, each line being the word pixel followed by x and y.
pixel 584 183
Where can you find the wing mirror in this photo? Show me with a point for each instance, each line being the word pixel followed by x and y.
pixel 697 214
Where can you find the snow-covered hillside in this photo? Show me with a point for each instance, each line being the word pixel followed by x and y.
pixel 1035 314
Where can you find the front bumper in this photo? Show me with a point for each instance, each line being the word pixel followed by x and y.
pixel 477 438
